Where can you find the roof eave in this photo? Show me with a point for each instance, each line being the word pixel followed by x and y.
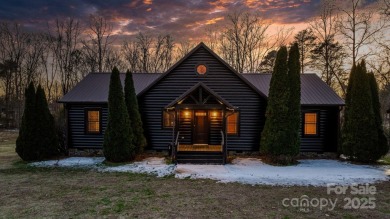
pixel 323 105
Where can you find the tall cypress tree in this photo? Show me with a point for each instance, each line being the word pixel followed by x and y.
pixel 347 109
pixel 274 137
pixel 359 134
pixel 139 140
pixel 117 146
pixel 383 146
pixel 294 104
pixel 46 135
pixel 25 143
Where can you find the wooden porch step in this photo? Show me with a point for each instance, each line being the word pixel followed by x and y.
pixel 199 157
pixel 200 147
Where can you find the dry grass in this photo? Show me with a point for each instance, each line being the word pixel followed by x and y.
pixel 7 148
pixel 60 192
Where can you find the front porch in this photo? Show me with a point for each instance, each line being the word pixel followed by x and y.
pixel 200 120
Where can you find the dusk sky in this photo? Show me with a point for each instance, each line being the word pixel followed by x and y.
pixel 182 19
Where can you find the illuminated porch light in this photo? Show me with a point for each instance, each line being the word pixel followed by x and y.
pixel 186 114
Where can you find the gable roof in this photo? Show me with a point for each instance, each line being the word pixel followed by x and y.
pixel 314 91
pixel 202 45
pixel 196 86
pixel 94 87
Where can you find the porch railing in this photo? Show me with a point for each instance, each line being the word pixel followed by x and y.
pixel 224 146
pixel 175 146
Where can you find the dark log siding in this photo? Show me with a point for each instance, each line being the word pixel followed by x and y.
pixel 215 128
pixel 327 139
pixel 222 81
pixel 228 86
pixel 185 127
pixel 77 138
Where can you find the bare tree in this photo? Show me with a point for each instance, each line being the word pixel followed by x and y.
pixel 212 37
pixel 49 67
pixel 386 7
pixel 13 48
pixel 99 39
pixel 148 53
pixel 358 28
pixel 36 47
pixel 183 48
pixel 325 29
pixel 161 56
pixel 113 59
pixel 8 70
pixel 144 44
pixel 380 63
pixel 242 40
pixel 131 54
pixel 306 42
pixel 65 40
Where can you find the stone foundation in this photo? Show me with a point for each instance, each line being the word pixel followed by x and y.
pixel 243 153
pixel 74 152
pixel 314 155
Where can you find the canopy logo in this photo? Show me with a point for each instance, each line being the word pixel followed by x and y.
pixel 364 199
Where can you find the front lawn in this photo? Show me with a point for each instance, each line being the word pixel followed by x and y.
pixel 63 192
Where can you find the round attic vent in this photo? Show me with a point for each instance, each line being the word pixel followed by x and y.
pixel 201 69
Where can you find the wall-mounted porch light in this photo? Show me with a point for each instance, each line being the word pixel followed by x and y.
pixel 214 114
pixel 187 114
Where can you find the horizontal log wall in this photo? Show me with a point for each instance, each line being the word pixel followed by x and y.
pixel 222 81
pixel 77 138
pixel 327 139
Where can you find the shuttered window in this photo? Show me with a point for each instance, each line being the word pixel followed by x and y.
pixel 232 124
pixel 310 127
pixel 93 121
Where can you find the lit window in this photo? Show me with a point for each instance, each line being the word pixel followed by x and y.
pixel 93 121
pixel 232 124
pixel 169 119
pixel 310 124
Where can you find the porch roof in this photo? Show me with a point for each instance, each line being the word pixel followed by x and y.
pixel 196 86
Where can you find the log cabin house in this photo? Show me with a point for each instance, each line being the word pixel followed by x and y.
pixel 201 108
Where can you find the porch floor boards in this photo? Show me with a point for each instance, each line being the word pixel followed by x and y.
pixel 205 147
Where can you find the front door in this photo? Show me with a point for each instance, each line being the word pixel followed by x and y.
pixel 200 130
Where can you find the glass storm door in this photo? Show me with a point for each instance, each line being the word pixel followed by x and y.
pixel 200 130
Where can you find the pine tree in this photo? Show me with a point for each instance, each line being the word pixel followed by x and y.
pixel 383 146
pixel 45 135
pixel 139 140
pixel 342 149
pixel 359 134
pixel 294 104
pixel 25 143
pixel 274 137
pixel 117 146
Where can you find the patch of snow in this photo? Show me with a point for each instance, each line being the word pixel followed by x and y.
pixel 243 170
pixel 70 162
pixel 307 172
pixel 151 165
